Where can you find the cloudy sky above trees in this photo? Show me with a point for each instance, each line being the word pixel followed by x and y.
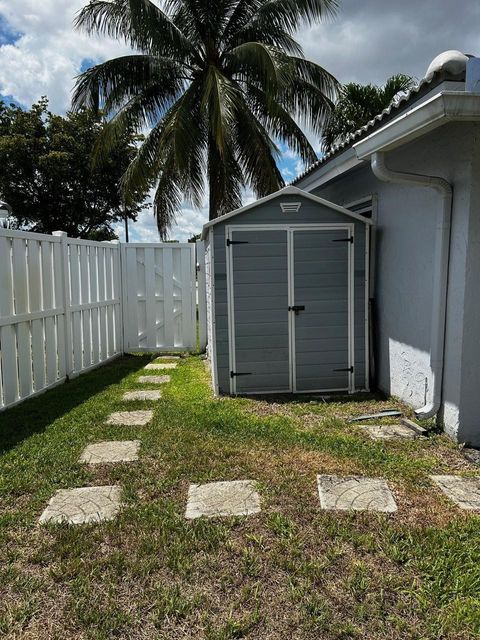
pixel 368 41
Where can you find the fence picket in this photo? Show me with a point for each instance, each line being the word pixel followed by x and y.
pixel 95 327
pixel 101 296
pixel 35 298
pixel 24 351
pixel 168 299
pixel 84 288
pixel 7 333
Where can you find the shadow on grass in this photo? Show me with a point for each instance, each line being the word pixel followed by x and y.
pixel 35 415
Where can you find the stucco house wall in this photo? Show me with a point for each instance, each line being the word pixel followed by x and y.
pixel 405 221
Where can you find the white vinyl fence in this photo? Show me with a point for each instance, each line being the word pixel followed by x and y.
pixel 60 310
pixel 159 296
pixel 68 305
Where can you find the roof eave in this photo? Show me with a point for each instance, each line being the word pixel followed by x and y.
pixel 447 106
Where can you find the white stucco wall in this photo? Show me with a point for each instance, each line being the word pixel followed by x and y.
pixel 405 223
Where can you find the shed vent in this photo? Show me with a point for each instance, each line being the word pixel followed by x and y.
pixel 290 207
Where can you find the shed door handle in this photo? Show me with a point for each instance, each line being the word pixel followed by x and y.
pixel 297 308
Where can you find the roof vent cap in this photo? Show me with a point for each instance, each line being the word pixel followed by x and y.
pixel 452 61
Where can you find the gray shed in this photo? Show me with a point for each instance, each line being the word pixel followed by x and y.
pixel 287 296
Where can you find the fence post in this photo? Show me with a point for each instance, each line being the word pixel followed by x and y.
pixel 202 295
pixel 66 303
pixel 121 280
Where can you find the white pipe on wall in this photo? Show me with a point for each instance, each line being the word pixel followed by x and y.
pixel 440 270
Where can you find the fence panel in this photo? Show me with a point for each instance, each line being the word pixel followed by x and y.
pixel 32 340
pixel 55 297
pixel 159 296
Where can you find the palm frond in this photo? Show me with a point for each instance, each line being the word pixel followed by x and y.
pixel 220 96
pixel 139 23
pixel 395 85
pixel 168 197
pixel 257 154
pixel 255 60
pixel 280 125
pixel 290 14
pixel 113 82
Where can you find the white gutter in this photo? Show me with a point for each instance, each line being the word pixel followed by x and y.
pixel 447 106
pixel 440 270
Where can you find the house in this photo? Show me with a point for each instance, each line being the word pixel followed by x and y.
pixel 411 173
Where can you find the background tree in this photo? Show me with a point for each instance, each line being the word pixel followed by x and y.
pixel 357 104
pixel 218 84
pixel 47 177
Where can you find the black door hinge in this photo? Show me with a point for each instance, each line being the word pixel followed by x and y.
pixel 349 239
pixel 233 374
pixel 229 242
pixel 349 369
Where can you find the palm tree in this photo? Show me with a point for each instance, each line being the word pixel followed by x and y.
pixel 357 104
pixel 217 84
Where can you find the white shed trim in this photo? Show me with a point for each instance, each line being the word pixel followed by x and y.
pixel 290 190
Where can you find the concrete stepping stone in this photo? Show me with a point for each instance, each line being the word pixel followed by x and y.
pixel 142 395
pixel 345 493
pixel 156 366
pixel 216 499
pixel 83 505
pixel 465 492
pixel 111 451
pixel 389 431
pixel 168 358
pixel 153 379
pixel 134 418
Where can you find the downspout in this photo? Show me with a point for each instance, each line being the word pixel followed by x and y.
pixel 440 270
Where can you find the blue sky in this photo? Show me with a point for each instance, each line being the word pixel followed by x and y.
pixel 368 41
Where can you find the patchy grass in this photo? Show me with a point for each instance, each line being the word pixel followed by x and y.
pixel 292 571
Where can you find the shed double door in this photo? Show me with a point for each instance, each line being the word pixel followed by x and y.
pixel 290 308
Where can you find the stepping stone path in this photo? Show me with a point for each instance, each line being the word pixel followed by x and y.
pixel 111 451
pixel 96 504
pixel 465 492
pixel 160 365
pixel 83 505
pixel 153 379
pixel 168 358
pixel 389 431
pixel 142 395
pixel 215 499
pixel 238 497
pixel 355 493
pixel 135 418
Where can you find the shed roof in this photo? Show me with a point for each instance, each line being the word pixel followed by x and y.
pixel 285 191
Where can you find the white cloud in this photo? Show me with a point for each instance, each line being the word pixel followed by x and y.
pixel 48 54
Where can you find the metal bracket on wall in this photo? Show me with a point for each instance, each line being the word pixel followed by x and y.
pixel 349 369
pixel 233 374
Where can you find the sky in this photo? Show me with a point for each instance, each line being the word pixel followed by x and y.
pixel 40 54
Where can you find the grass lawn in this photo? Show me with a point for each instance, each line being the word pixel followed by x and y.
pixel 291 572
